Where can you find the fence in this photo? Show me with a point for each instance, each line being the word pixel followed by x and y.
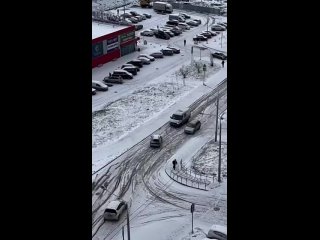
pixel 188 178
pixel 190 7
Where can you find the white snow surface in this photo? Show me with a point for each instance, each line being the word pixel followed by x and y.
pixel 128 113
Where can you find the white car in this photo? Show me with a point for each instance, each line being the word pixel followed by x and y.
pixel 114 210
pixel 99 86
pixel 217 232
pixel 148 33
pixel 144 60
pixel 147 56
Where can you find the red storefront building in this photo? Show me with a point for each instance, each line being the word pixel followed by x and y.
pixel 111 42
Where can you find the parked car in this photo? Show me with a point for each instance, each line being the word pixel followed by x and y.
pixel 197 20
pixel 94 91
pixel 130 65
pixel 113 79
pixel 184 26
pixel 134 13
pixel 144 60
pixel 212 33
pixel 143 16
pixel 174 49
pixel 133 20
pixel 133 70
pixel 206 34
pixel 123 73
pixel 222 24
pixel 217 28
pixel 114 210
pixel 199 38
pixel 147 15
pixel 139 18
pixel 217 232
pixel 173 22
pixel 192 23
pixel 162 35
pixel 171 34
pixel 136 63
pixel 219 55
pixel 99 86
pixel 147 56
pixel 186 16
pixel 167 51
pixel 154 30
pixel 157 55
pixel 175 31
pixel 147 33
pixel 126 15
pixel 156 140
pixel 138 27
pixel 192 127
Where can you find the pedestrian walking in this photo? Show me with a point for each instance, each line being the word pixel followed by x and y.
pixel 174 163
pixel 184 41
pixel 222 63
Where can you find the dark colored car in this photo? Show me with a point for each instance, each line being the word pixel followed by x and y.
pixel 206 34
pixel 173 22
pixel 175 31
pixel 133 20
pixel 156 140
pixel 162 35
pixel 192 127
pixel 174 49
pixel 219 55
pixel 113 79
pixel 218 28
pixel 147 15
pixel 192 23
pixel 136 62
pixel 138 27
pixel 212 33
pixel 200 38
pixel 130 65
pixel 167 52
pixel 133 13
pixel 198 21
pixel 186 16
pixel 157 55
pixel 132 70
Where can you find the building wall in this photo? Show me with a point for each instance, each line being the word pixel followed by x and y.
pixel 108 47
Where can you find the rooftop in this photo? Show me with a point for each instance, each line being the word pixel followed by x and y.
pixel 101 29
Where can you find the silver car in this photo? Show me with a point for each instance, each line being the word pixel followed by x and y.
pixel 114 210
pixel 144 60
pixel 192 127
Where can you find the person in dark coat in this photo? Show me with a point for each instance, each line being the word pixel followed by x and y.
pixel 222 63
pixel 184 41
pixel 174 163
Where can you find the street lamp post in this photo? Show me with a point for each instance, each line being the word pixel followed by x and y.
pixel 217 113
pixel 219 166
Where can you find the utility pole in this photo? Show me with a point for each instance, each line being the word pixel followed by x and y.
pixel 207 21
pixel 216 132
pixel 128 224
pixel 219 166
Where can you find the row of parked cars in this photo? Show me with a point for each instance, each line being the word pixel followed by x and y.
pixel 205 35
pixel 133 17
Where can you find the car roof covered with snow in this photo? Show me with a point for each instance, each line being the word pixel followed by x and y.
pixel 114 204
pixel 156 136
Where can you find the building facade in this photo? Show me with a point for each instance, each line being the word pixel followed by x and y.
pixel 113 45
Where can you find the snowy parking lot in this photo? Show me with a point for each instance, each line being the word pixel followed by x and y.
pixel 126 114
